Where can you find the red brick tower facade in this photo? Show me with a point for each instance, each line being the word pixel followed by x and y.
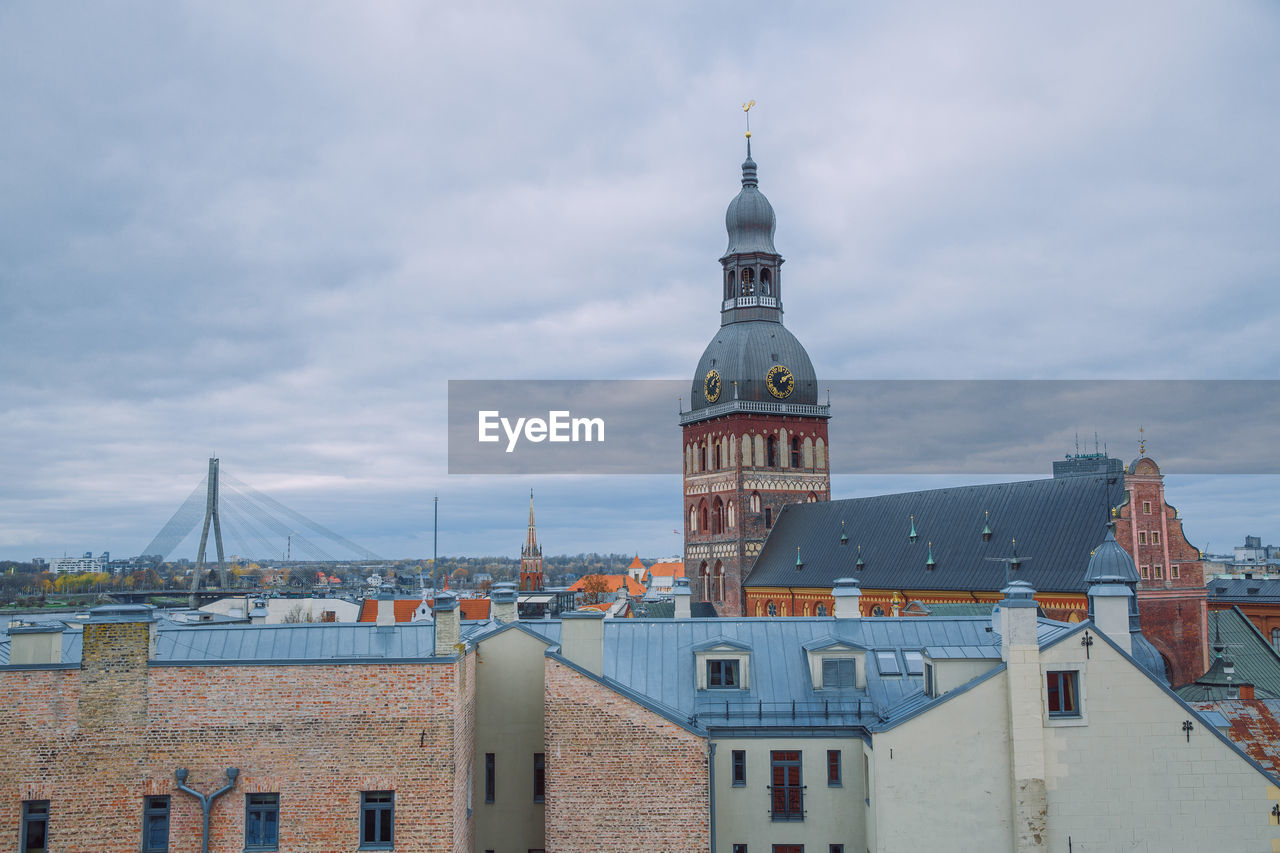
pixel 531 557
pixel 755 436
pixel 1172 597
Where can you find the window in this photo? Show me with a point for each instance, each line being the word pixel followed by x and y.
pixel 539 777
pixel 839 672
pixel 1173 571
pixel 739 848
pixel 835 848
pixel 261 821
pixel 155 825
pixel 1155 537
pixel 1145 571
pixel 1146 507
pixel 35 826
pixel 490 777
pixel 786 793
pixel 771 608
pixel 1064 700
pixel 866 776
pixel 768 517
pixel 772 445
pixel 722 674
pixel 928 679
pixel 1159 572
pixel 833 768
pixel 788 848
pixel 377 819
pixel 915 663
pixel 887 663
pixel 795 453
pixel 822 610
pixel 877 610
pixel 1142 537
pixel 739 768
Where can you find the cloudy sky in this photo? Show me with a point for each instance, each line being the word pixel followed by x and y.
pixel 272 232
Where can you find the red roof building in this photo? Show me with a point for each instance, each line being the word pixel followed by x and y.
pixel 407 608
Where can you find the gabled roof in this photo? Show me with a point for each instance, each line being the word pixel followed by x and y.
pixel 667 570
pixel 406 608
pixel 636 564
pixel 1057 524
pixel 612 584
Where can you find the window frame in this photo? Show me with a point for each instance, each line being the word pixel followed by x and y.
pixel 35 813
pixel 726 671
pixel 1146 507
pixel 490 777
pixel 790 796
pixel 1142 537
pixel 739 848
pixel 915 670
pixel 539 777
pixel 835 769
pixel 837 663
pixel 154 807
pixel 1157 572
pixel 1155 537
pixel 881 655
pixel 371 806
pixel 1067 685
pixel 268 804
pixel 738 768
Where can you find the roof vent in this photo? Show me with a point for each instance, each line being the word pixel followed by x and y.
pixel 986 526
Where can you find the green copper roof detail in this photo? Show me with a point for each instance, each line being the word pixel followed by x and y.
pixel 844 537
pixel 860 563
pixel 930 563
pixel 799 562
pixel 986 526
pixel 912 535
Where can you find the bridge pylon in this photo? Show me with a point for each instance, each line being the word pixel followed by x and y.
pixel 210 516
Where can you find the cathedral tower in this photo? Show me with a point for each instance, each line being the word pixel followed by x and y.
pixel 755 436
pixel 531 557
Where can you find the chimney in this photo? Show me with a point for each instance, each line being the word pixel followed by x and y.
pixel 848 597
pixel 386 608
pixel 582 639
pixel 502 602
pixel 1020 648
pixel 118 641
pixel 35 643
pixel 1246 691
pixel 682 595
pixel 258 615
pixel 1109 603
pixel 448 624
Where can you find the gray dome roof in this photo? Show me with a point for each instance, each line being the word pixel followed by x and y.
pixel 750 220
pixel 1147 656
pixel 744 352
pixel 1110 563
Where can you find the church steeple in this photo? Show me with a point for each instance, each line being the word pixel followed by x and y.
pixel 531 556
pixel 751 263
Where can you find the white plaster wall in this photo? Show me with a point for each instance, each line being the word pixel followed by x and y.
pixel 833 815
pixel 510 698
pixel 940 781
pixel 1129 780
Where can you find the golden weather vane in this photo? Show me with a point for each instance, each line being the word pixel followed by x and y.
pixel 746 108
pixel 1142 441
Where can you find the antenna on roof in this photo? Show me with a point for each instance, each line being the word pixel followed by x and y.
pixel 1077 444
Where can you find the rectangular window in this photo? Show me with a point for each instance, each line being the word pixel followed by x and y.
pixel 1146 507
pixel 866 776
pixel 786 792
pixel 839 672
pixel 739 848
pixel 35 826
pixel 722 674
pixel 788 848
pixel 739 768
pixel 768 517
pixel 377 819
pixel 1064 699
pixel 1159 572
pixel 928 679
pixel 490 777
pixel 1155 537
pixel 539 777
pixel 835 848
pixel 1145 571
pixel 261 821
pixel 155 825
pixel 833 768
pixel 1142 537
pixel 887 663
pixel 915 663
pixel 1173 571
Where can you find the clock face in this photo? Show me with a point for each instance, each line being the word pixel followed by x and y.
pixel 779 381
pixel 711 386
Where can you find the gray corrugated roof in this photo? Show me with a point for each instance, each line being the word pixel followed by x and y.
pixel 655 658
pixel 1256 662
pixel 304 642
pixel 1057 523
pixel 70 647
pixel 1243 589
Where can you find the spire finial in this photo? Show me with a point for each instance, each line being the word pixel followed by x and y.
pixel 1142 441
pixel 746 108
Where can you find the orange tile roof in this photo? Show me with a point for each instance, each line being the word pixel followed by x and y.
pixel 472 608
pixel 667 570
pixel 612 584
pixel 603 605
pixel 636 564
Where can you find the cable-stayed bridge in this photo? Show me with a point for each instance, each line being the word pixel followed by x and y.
pixel 254 524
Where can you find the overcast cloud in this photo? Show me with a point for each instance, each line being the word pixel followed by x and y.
pixel 272 232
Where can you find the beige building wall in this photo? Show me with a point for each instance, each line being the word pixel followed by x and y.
pixel 509 723
pixel 833 815
pixel 1130 780
pixel 940 781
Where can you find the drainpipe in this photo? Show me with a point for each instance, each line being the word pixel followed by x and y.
pixel 206 800
pixel 711 785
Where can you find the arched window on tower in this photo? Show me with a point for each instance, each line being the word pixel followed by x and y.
pixel 807 452
pixel 822 610
pixel 706 454
pixel 730 516
pixel 705 577
pixel 771 608
pixel 766 283
pixel 795 453
pixel 755 501
pixel 748 280
pixel 720 460
pixel 773 451
pixel 717 516
pixel 813 498
pixel 693 520
pixel 718 581
pixel 820 454
pixel 746 451
pixel 704 518
pixel 728 284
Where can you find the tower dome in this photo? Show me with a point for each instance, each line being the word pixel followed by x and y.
pixel 1110 563
pixel 750 219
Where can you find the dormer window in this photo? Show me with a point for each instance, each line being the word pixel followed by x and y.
pixel 887 663
pixel 722 674
pixel 915 663
pixel 839 672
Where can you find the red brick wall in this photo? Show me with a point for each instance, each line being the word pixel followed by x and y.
pixel 317 735
pixel 620 778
